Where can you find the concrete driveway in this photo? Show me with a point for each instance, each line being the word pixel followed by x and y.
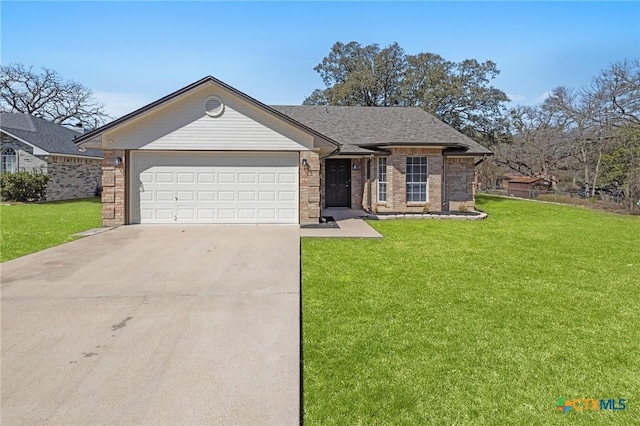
pixel 155 325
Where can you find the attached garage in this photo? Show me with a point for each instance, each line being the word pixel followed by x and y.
pixel 214 187
pixel 209 153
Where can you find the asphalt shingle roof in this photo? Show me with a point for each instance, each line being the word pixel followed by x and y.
pixel 48 136
pixel 357 128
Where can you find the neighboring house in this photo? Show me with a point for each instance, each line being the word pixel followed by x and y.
pixel 209 153
pixel 35 145
pixel 503 181
pixel 527 186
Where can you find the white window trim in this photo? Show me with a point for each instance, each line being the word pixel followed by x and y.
pixel 4 153
pixel 425 183
pixel 386 176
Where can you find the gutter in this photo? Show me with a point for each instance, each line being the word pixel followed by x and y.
pixel 331 153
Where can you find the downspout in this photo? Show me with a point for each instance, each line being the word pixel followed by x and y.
pixel 369 204
pixel 444 184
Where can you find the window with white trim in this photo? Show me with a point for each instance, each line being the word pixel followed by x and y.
pixel 416 179
pixel 382 179
pixel 9 160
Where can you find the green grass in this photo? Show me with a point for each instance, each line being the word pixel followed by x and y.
pixel 27 228
pixel 474 322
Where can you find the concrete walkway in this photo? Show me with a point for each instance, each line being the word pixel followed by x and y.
pixel 154 325
pixel 350 225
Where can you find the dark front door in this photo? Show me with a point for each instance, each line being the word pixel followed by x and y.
pixel 338 183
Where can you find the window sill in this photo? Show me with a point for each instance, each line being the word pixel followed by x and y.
pixel 417 204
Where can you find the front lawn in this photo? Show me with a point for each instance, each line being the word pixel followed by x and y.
pixel 27 228
pixel 474 322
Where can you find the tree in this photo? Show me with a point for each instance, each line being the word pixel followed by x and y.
pixel 47 95
pixel 459 94
pixel 539 146
pixel 619 87
pixel 591 132
pixel 360 75
pixel 579 112
pixel 621 163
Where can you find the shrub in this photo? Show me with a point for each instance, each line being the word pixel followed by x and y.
pixel 23 186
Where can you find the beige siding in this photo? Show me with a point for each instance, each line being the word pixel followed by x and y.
pixel 183 125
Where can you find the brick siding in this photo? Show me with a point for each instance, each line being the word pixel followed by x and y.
pixel 459 179
pixel 113 189
pixel 358 183
pixel 71 177
pixel 397 181
pixel 309 187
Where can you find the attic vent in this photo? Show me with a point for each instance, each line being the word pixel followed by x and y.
pixel 213 106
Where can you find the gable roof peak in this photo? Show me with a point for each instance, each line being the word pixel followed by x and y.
pixel 205 80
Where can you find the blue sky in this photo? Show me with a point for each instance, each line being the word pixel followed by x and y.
pixel 131 53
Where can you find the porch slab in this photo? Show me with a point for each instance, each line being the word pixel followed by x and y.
pixel 350 222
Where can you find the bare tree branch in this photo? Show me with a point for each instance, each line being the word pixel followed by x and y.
pixel 47 95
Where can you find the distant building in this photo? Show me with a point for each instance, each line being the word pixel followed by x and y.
pixel 527 186
pixel 36 145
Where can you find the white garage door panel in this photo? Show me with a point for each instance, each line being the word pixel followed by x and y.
pixel 215 188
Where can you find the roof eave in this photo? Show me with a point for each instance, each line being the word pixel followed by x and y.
pixel 465 152
pixel 398 144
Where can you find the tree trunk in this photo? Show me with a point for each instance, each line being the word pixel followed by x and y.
pixel 595 173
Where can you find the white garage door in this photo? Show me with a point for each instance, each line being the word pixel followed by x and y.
pixel 203 187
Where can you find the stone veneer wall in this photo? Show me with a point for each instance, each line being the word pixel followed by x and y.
pixel 397 181
pixel 113 189
pixel 26 160
pixel 460 172
pixel 71 177
pixel 309 187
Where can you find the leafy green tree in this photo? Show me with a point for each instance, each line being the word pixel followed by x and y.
pixel 360 75
pixel 459 93
pixel 621 164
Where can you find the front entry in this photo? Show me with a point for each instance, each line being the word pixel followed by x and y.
pixel 338 183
